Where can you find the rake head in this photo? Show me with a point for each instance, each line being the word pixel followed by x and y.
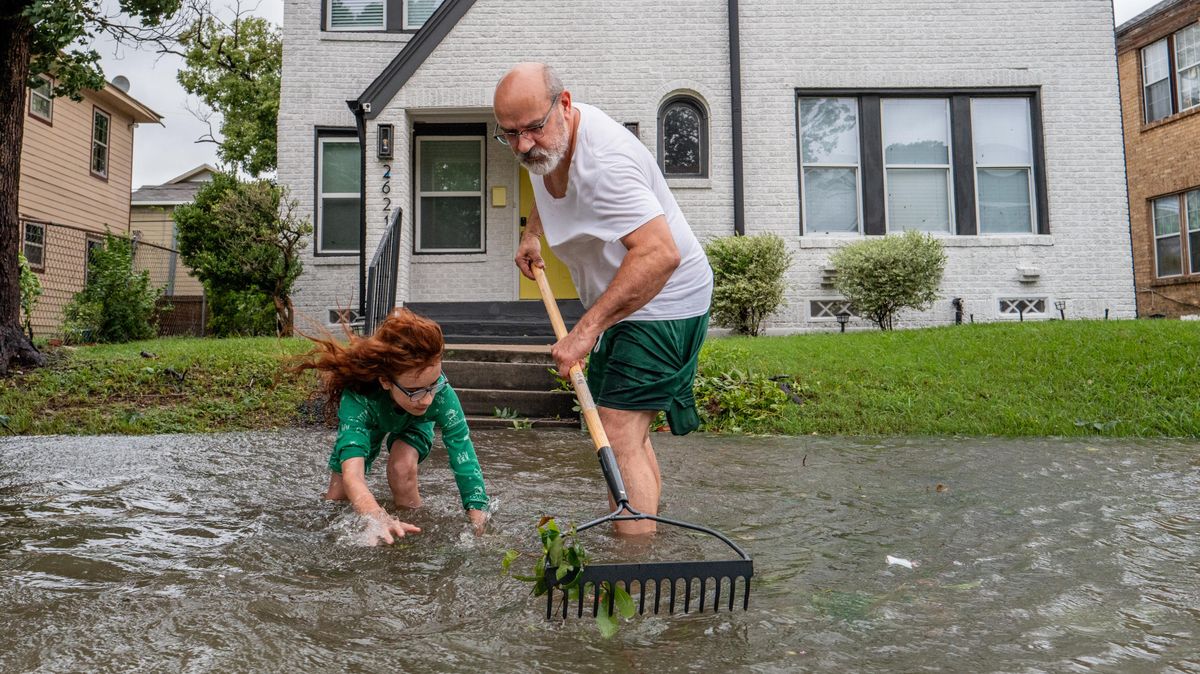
pixel 676 585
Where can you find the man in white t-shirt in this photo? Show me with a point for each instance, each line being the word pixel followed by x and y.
pixel 604 208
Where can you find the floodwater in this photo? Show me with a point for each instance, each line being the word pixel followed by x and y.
pixel 214 553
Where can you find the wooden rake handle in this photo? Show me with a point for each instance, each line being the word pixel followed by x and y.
pixel 586 405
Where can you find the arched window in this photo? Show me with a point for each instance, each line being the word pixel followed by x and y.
pixel 683 138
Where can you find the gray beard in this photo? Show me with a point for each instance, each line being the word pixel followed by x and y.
pixel 541 162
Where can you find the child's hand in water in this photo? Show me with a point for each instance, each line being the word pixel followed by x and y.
pixel 478 520
pixel 387 529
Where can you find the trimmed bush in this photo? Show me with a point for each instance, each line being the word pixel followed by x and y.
pixel 117 305
pixel 748 281
pixel 882 276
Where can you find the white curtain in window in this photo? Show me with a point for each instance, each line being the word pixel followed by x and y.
pixel 916 150
pixel 1167 249
pixel 829 157
pixel 1193 218
pixel 1187 60
pixel 1003 155
pixel 419 11
pixel 359 14
pixel 1156 80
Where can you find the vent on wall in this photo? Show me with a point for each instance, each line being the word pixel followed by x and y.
pixel 1017 307
pixel 343 316
pixel 827 310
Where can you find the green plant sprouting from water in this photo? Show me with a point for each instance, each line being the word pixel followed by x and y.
pixel 513 416
pixel 563 554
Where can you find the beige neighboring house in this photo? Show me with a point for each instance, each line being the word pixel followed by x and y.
pixel 76 175
pixel 151 220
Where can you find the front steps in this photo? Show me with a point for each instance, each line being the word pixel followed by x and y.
pixel 517 323
pixel 516 378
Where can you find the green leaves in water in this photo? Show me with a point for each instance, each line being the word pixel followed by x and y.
pixel 565 556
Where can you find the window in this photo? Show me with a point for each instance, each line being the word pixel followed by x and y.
pixel 683 138
pixel 449 198
pixel 1176 221
pixel 35 245
pixel 829 164
pixel 949 162
pixel 1161 76
pixel 916 156
pixel 417 12
pixel 339 197
pixel 1003 146
pixel 357 15
pixel 101 123
pixel 41 100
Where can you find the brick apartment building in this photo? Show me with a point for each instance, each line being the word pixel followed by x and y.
pixel 1159 64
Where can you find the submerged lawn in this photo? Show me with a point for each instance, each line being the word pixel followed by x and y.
pixel 1123 378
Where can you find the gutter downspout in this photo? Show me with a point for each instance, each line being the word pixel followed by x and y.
pixel 360 123
pixel 735 97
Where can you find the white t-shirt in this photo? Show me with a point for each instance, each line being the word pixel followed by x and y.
pixel 613 188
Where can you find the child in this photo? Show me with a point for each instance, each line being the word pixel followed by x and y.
pixel 389 388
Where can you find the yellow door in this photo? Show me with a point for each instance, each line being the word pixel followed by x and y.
pixel 556 271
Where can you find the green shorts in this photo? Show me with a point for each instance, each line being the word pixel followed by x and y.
pixel 650 365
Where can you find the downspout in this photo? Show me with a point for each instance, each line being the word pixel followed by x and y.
pixel 735 97
pixel 360 123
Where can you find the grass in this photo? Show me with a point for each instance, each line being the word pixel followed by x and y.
pixel 1057 378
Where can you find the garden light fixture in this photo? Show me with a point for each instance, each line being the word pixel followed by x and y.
pixel 843 318
pixel 1061 305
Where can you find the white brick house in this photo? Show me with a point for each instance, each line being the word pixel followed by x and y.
pixel 996 125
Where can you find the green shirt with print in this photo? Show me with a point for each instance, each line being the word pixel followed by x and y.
pixel 365 420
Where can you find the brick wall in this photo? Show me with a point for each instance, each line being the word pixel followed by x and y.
pixel 1163 158
pixel 627 57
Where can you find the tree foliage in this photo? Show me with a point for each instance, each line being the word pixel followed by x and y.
pixel 748 284
pixel 117 304
pixel 882 276
pixel 234 67
pixel 31 290
pixel 240 236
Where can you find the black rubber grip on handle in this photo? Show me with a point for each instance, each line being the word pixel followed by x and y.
pixel 612 474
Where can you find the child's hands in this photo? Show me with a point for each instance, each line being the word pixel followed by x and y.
pixel 389 528
pixel 478 520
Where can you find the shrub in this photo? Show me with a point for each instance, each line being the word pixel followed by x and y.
pixel 117 305
pixel 882 276
pixel 241 313
pixel 31 289
pixel 747 280
pixel 732 399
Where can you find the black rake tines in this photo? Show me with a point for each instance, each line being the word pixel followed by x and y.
pixel 658 586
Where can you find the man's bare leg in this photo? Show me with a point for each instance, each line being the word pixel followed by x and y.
pixel 402 475
pixel 628 433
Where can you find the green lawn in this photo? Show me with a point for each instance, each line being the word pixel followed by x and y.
pixel 1117 378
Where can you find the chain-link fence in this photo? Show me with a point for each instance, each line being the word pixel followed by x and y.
pixel 182 309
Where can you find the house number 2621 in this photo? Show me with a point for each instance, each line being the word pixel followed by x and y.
pixel 387 189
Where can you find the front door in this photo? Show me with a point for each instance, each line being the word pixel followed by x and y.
pixel 556 271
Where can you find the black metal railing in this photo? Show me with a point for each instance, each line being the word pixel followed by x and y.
pixel 382 276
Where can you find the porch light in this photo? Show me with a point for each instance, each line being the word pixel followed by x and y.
pixel 843 318
pixel 386 136
pixel 1061 305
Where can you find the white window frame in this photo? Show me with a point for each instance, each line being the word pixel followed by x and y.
pixel 34 94
pixel 322 195
pixel 1185 227
pixel 405 10
pixel 1033 210
pixel 1177 235
pixel 97 112
pixel 1146 85
pixel 354 29
pixel 809 230
pixel 887 203
pixel 1017 315
pixel 25 245
pixel 1179 68
pixel 418 194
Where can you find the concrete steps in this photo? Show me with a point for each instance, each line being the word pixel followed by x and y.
pixel 515 379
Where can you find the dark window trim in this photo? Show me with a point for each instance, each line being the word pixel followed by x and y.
pixel 107 145
pixel 48 121
pixel 702 111
pixel 874 199
pixel 428 129
pixel 320 132
pixel 40 267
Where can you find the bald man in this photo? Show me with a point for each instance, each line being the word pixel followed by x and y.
pixel 604 208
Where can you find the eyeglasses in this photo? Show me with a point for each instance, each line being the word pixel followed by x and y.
pixel 533 132
pixel 418 394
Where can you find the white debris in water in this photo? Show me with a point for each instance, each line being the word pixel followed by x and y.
pixel 900 561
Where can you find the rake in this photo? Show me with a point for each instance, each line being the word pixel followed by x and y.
pixel 673 581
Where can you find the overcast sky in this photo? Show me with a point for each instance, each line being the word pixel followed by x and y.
pixel 163 152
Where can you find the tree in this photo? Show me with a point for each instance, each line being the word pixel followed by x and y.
pixel 117 304
pixel 51 36
pixel 881 276
pixel 244 235
pixel 235 68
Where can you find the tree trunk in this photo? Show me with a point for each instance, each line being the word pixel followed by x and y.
pixel 16 35
pixel 284 317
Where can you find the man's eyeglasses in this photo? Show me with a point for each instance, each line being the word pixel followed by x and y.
pixel 533 132
pixel 416 395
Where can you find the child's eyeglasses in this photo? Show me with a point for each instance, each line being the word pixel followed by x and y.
pixel 416 395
